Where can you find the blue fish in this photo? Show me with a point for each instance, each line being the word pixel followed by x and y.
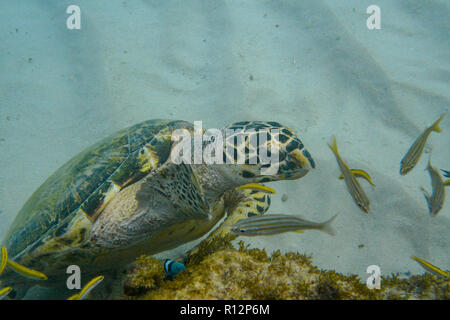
pixel 172 268
pixel 446 173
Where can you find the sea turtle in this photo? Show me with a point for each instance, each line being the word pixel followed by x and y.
pixel 125 196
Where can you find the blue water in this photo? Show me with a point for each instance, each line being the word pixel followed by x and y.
pixel 313 66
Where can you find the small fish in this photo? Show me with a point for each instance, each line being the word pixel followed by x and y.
pixel 414 153
pixel 446 173
pixel 436 200
pixel 271 224
pixel 24 271
pixel 447 183
pixel 172 268
pixel 4 257
pixel 28 273
pixel 353 186
pixel 4 292
pixel 433 269
pixel 259 187
pixel 360 173
pixel 87 289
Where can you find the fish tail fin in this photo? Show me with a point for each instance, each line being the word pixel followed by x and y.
pixel 435 126
pixel 446 173
pixel 426 195
pixel 327 227
pixel 333 145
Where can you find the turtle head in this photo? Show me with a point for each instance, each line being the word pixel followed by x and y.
pixel 259 151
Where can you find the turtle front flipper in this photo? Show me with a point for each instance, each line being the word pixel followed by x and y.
pixel 242 204
pixel 155 214
pixel 179 184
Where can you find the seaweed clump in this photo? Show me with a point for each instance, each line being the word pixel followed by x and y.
pixel 216 270
pixel 146 274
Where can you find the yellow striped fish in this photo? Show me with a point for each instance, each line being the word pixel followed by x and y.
pixel 87 289
pixel 414 153
pixel 4 292
pixel 256 186
pixel 360 173
pixel 353 186
pixel 4 257
pixel 22 270
pixel 270 224
pixel 436 200
pixel 27 273
pixel 433 269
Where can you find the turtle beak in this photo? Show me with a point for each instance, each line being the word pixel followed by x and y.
pixel 303 163
pixel 303 159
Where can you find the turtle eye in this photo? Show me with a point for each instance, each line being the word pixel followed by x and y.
pixel 238 230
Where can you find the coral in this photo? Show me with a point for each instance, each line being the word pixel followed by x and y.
pixel 216 270
pixel 146 274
